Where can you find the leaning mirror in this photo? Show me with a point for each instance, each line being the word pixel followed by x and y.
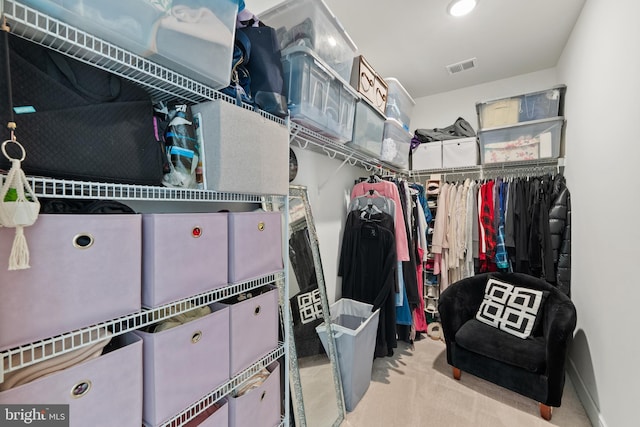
pixel 318 401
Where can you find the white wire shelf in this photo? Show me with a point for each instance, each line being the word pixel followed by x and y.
pixel 30 354
pixel 194 410
pixel 161 82
pixel 492 170
pixel 308 139
pixel 62 188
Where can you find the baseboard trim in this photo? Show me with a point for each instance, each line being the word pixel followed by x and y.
pixel 590 407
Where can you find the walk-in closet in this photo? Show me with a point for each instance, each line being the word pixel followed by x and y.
pixel 317 213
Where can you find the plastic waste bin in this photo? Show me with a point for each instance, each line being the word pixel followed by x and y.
pixel 354 328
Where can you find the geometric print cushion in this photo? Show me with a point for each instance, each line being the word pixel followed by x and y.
pixel 510 308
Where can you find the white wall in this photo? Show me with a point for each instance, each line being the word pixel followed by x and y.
pixel 600 65
pixel 443 109
pixel 326 183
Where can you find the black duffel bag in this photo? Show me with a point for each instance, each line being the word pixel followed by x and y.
pixel 459 129
pixel 75 120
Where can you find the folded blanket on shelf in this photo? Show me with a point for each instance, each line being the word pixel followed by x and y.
pixel 37 370
pixel 179 319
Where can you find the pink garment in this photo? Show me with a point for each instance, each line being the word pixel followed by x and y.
pixel 388 189
pixel 419 318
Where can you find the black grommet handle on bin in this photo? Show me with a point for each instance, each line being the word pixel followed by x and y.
pixel 256 311
pixel 264 394
pixel 80 389
pixel 83 240
pixel 196 337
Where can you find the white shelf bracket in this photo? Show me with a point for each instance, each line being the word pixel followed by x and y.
pixel 332 153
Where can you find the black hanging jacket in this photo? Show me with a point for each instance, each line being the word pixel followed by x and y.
pixel 560 226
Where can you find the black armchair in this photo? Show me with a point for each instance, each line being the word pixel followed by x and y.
pixel 533 367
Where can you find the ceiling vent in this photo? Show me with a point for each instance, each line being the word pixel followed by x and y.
pixel 459 67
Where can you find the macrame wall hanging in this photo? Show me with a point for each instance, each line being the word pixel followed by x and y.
pixel 19 207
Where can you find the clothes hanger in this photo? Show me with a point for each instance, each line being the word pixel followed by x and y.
pixel 373 193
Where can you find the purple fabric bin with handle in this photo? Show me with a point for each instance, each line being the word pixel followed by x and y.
pixel 102 392
pixel 183 254
pixel 255 244
pixel 220 418
pixel 85 269
pixel 253 326
pixel 259 406
pixel 183 364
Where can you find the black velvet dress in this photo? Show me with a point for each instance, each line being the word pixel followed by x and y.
pixel 368 268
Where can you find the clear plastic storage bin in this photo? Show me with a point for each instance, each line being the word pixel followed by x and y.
pixel 507 111
pixel 192 37
pixel 399 103
pixel 396 144
pixel 310 23
pixel 318 99
pixel 368 129
pixel 536 140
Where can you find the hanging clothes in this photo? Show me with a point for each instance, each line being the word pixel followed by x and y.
pixel 388 189
pixel 368 267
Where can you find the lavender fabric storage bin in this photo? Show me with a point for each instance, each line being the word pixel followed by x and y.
pixel 102 392
pixel 259 407
pixel 255 245
pixel 220 418
pixel 182 255
pixel 183 364
pixel 72 282
pixel 253 327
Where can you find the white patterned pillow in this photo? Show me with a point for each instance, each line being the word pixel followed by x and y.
pixel 510 308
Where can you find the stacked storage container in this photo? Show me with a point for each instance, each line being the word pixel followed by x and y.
pixel 399 103
pixel 522 127
pixel 200 46
pixel 368 126
pixel 368 129
pixel 396 142
pixel 317 57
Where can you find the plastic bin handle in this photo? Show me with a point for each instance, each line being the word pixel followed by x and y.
pixel 323 68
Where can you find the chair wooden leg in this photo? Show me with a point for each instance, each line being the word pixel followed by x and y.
pixel 545 411
pixel 457 373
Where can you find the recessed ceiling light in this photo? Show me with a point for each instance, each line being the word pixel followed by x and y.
pixel 461 7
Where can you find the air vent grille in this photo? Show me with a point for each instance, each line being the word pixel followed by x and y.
pixel 461 66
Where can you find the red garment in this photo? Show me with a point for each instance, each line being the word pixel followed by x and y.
pixel 487 219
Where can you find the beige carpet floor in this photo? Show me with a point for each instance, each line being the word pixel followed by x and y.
pixel 415 388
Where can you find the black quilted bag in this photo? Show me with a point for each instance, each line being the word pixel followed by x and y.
pixel 77 121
